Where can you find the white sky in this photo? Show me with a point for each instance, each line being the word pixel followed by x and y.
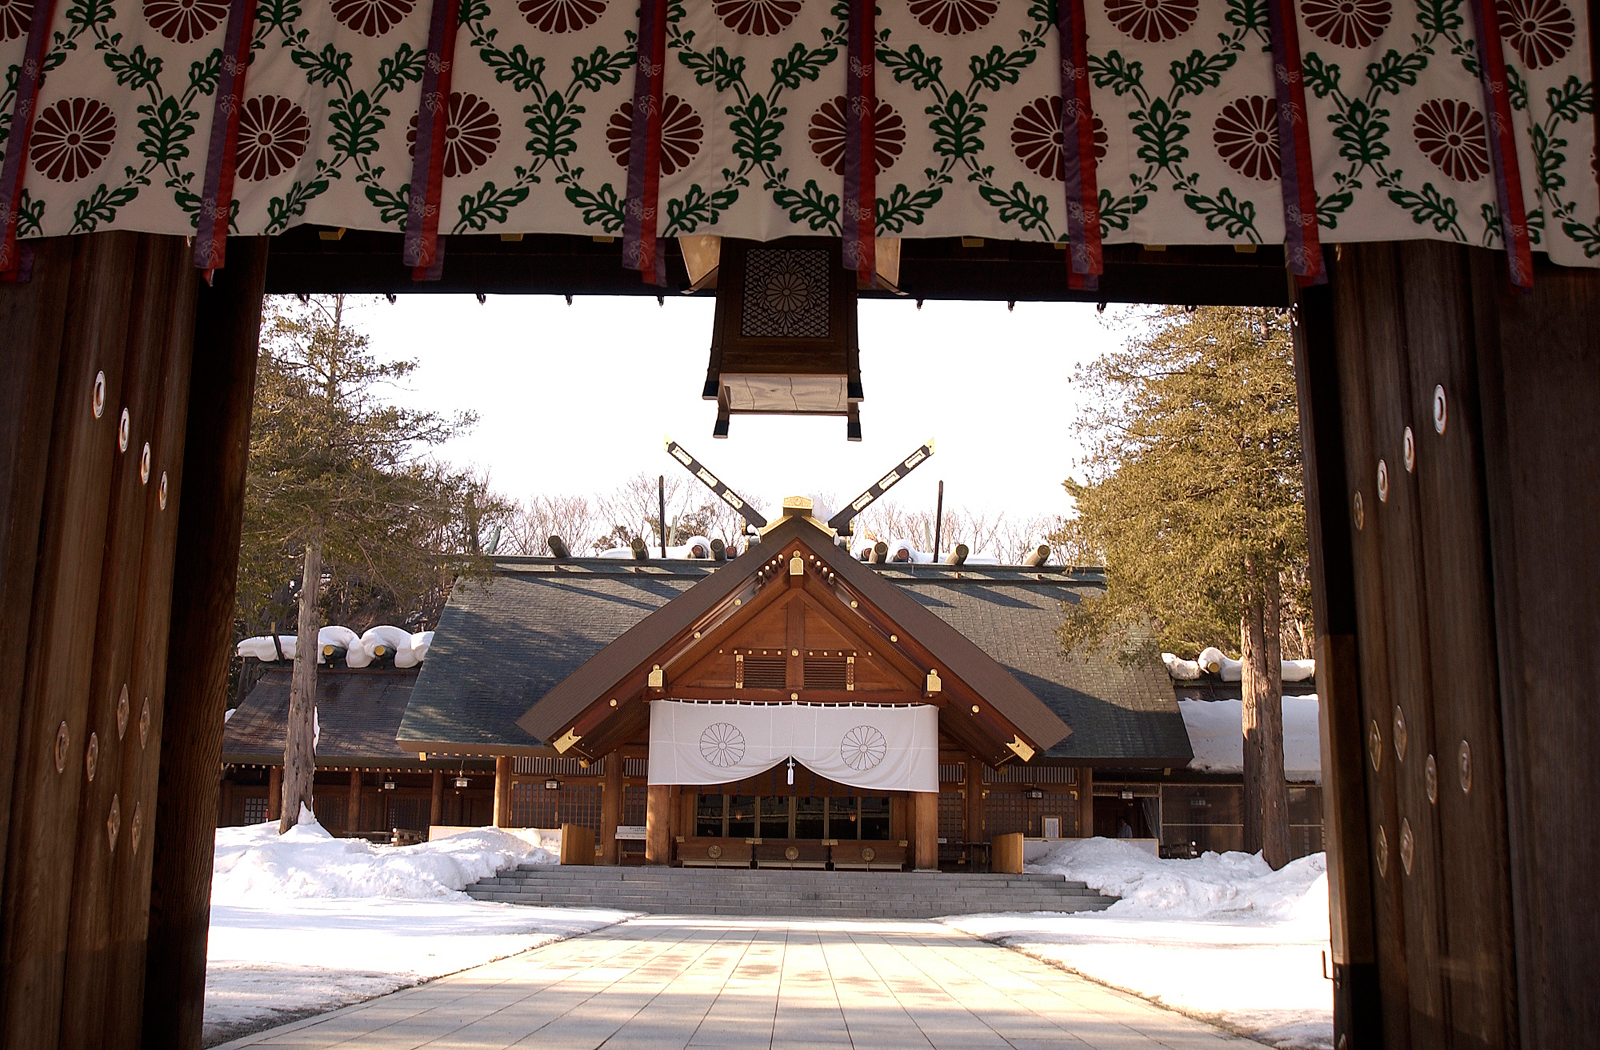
pixel 577 399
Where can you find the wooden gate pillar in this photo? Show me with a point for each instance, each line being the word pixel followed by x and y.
pixel 502 791
pixel 1355 972
pixel 1452 435
pixel 227 326
pixel 436 801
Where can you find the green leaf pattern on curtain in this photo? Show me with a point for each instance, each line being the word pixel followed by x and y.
pixel 967 123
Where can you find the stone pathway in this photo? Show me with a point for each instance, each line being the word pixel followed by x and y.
pixel 670 982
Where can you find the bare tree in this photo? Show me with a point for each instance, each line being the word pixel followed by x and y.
pixel 574 518
pixel 995 534
pixel 632 510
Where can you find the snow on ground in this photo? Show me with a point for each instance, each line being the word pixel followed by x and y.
pixel 1222 937
pixel 305 922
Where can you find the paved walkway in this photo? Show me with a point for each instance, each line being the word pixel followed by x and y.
pixel 662 982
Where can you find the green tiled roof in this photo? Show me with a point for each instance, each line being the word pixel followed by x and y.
pixel 504 641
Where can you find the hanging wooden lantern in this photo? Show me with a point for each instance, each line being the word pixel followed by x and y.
pixel 784 339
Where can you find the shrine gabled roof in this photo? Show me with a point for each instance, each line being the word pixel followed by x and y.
pixel 505 641
pixel 650 639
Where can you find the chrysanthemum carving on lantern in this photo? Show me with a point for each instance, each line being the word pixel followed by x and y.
pixel 784 336
pixel 1451 133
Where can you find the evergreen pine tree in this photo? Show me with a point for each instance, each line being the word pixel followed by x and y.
pixel 1193 499
pixel 338 499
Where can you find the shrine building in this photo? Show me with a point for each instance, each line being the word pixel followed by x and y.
pixel 793 705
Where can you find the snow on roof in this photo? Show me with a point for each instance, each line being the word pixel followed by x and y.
pixel 406 648
pixel 1216 734
pixel 1213 661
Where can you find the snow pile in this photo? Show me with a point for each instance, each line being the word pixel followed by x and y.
pixel 1230 886
pixel 1182 670
pixel 255 863
pixel 1223 937
pixel 1217 736
pixel 406 648
pixel 1214 661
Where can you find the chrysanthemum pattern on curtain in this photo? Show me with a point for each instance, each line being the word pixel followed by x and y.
pixel 967 118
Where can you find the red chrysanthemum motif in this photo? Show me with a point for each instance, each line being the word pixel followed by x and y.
pixel 371 17
pixel 1037 138
pixel 471 134
pixel 1452 134
pixel 184 21
pixel 1246 134
pixel 682 131
pixel 1540 30
pixel 954 16
pixel 14 18
pixel 1347 23
pixel 72 138
pixel 756 17
pixel 561 16
pixel 1153 20
pixel 827 134
pixel 273 135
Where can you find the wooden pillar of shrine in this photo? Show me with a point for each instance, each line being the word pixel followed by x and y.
pixel 352 819
pixel 1085 815
pixel 659 824
pixel 1451 443
pixel 274 792
pixel 925 830
pixel 611 809
pixel 436 802
pixel 973 819
pixel 502 791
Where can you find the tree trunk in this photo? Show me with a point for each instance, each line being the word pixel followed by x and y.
pixel 299 746
pixel 1266 797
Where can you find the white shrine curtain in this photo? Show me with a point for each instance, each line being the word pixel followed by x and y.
pixel 893 748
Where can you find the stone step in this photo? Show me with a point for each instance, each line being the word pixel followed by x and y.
pixel 804 893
